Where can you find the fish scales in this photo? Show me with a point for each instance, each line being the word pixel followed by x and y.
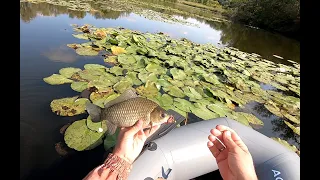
pixel 127 113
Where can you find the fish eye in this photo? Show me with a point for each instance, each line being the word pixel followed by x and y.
pixel 163 115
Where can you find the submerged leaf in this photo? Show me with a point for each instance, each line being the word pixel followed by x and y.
pixel 79 137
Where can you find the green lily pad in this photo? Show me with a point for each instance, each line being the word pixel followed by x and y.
pixel 294 128
pixel 57 79
pixel 150 90
pixel 122 85
pixel 163 83
pixel 79 137
pixel 293 119
pixel 182 104
pixel 69 71
pixel 79 86
pixel 177 74
pixel 219 108
pixel 116 70
pixel 95 126
pixel 111 60
pixel 100 98
pixel 100 84
pixel 111 140
pixel 68 106
pixel 202 112
pixel 155 68
pixel 252 119
pixel 126 59
pixel 286 144
pixel 165 100
pixel 176 83
pixel 133 77
pixel 95 67
pixel 117 50
pixel 191 92
pixel 174 91
pixel 81 36
pixel 273 109
pixel 86 51
pixel 237 116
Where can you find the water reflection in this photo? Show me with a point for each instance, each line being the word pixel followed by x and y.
pixel 61 54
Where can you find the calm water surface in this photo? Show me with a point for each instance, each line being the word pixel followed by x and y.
pixel 45 31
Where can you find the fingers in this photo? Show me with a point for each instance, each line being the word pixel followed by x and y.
pixel 235 137
pixel 134 129
pixel 229 141
pixel 213 149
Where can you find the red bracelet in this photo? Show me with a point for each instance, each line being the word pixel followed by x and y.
pixel 115 163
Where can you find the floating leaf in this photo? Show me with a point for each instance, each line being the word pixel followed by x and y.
pixel 126 59
pixel 117 50
pixel 252 119
pixel 150 90
pixel 191 92
pixel 68 106
pixel 94 126
pixel 290 117
pixel 79 137
pixel 86 51
pixel 69 71
pixel 182 104
pixel 81 36
pixel 122 85
pixel 219 108
pixel 111 59
pixel 56 79
pixel 165 100
pixel 286 144
pixel 118 71
pixel 133 77
pixel 155 68
pixel 79 86
pixel 95 67
pixel 101 84
pixel 174 91
pixel 202 112
pixel 295 129
pixel 177 74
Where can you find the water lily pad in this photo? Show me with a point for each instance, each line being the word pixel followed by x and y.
pixel 57 79
pixel 95 126
pixel 163 83
pixel 252 119
pixel 81 36
pixel 191 92
pixel 182 104
pixel 177 74
pixel 294 128
pixel 100 98
pixel 237 116
pixel 174 91
pixel 219 108
pixel 150 90
pixel 79 86
pixel 155 68
pixel 126 59
pixel 165 100
pixel 111 60
pixel 117 50
pixel 118 71
pixel 293 119
pixel 202 112
pixel 176 83
pixel 286 144
pixel 101 84
pixel 79 137
pixel 133 77
pixel 69 71
pixel 122 85
pixel 95 67
pixel 273 109
pixel 68 106
pixel 86 51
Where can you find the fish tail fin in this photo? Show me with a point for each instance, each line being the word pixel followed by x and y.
pixel 111 128
pixel 94 112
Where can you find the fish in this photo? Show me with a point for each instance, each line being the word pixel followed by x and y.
pixel 126 110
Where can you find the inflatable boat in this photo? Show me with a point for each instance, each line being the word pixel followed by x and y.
pixel 182 154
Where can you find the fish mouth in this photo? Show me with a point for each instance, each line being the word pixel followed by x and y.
pixel 171 120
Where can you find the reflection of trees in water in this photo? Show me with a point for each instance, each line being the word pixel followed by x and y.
pixel 28 11
pixel 264 112
pixel 285 132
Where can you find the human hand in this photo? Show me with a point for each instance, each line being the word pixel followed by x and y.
pixel 131 140
pixel 234 162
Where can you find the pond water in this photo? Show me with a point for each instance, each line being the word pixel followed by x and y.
pixel 45 31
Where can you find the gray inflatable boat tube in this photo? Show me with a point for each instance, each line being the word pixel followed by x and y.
pixel 183 154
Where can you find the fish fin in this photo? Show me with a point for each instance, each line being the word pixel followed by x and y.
pixel 94 112
pixel 150 127
pixel 111 128
pixel 127 94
